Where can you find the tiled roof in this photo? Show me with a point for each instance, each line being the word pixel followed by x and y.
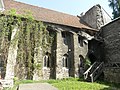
pixel 46 15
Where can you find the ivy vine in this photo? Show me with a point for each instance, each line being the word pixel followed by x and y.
pixel 31 34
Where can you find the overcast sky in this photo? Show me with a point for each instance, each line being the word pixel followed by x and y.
pixel 73 7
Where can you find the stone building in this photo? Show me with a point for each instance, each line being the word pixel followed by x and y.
pixel 69 50
pixel 110 34
pixel 76 38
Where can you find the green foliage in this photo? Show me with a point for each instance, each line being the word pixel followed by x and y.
pixel 87 61
pixel 31 34
pixel 28 14
pixel 37 66
pixel 115 5
pixel 25 14
pixel 12 12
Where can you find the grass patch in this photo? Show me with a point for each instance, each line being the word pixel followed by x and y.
pixel 76 84
pixel 73 84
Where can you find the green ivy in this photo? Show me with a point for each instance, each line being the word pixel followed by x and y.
pixel 31 34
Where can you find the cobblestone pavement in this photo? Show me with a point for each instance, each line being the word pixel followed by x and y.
pixel 36 86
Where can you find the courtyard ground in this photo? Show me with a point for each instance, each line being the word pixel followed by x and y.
pixel 36 86
pixel 73 84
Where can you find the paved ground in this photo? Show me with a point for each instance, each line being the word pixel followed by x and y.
pixel 37 86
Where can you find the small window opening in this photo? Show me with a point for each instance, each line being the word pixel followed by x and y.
pixel 65 61
pixel 46 60
pixel 85 42
pixel 80 41
pixel 64 36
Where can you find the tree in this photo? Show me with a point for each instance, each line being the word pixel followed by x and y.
pixel 115 5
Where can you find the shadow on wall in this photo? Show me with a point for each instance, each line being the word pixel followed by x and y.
pixel 92 58
pixel 81 66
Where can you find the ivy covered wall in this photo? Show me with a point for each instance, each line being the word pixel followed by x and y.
pixel 29 38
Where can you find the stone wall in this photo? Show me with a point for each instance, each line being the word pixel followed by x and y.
pixel 112 75
pixel 93 17
pixel 73 49
pixel 111 36
pixel 78 51
pixel 61 50
pixel 66 43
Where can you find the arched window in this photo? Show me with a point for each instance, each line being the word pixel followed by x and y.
pixel 65 61
pixel 46 60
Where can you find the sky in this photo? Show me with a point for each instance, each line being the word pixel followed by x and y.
pixel 73 7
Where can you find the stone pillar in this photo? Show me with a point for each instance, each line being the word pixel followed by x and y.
pixel 59 55
pixel 78 50
pixel 37 74
pixel 12 55
pixel 76 55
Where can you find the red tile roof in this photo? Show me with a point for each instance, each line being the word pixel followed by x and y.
pixel 45 15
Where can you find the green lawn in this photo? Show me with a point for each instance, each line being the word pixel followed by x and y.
pixel 75 84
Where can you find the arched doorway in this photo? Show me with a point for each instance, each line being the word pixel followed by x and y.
pixel 92 58
pixel 81 65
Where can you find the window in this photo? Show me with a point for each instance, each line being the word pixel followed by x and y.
pixel 80 41
pixel 64 36
pixel 85 41
pixel 65 61
pixel 46 61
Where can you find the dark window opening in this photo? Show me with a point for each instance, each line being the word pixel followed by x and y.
pixel 85 42
pixel 64 36
pixel 81 59
pixel 80 41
